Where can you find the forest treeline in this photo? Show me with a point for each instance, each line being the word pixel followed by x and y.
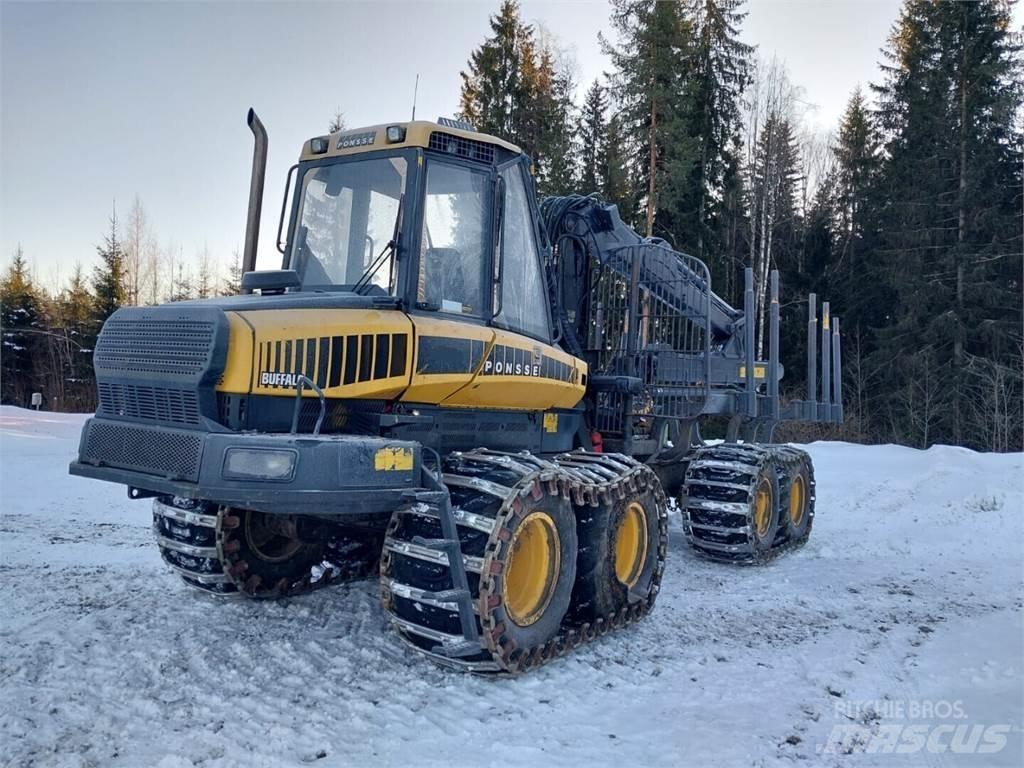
pixel 907 216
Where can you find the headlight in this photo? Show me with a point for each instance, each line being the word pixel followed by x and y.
pixel 259 464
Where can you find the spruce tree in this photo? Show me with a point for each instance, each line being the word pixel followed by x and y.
pixel 515 88
pixel 21 318
pixel 720 70
pixel 651 58
pixel 856 276
pixel 591 130
pixel 108 276
pixel 727 265
pixel 233 282
pixel 556 146
pixel 775 227
pixel 495 93
pixel 949 207
pixel 615 184
pixel 857 158
pixel 78 330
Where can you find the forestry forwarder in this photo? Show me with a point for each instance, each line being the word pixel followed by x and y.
pixel 489 398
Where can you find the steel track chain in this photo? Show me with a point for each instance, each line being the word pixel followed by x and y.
pixel 737 467
pixel 199 540
pixel 585 480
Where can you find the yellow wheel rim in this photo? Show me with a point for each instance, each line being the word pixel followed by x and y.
pixel 797 500
pixel 763 508
pixel 532 568
pixel 631 545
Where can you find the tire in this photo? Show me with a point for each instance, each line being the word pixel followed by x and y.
pixel 513 498
pixel 225 550
pixel 188 534
pixel 798 497
pixel 516 617
pixel 273 561
pixel 608 574
pixel 764 522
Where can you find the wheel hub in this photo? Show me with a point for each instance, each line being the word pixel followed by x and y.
pixel 271 537
pixel 797 500
pixel 763 508
pixel 532 569
pixel 631 545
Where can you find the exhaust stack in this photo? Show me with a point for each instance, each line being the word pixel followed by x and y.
pixel 259 171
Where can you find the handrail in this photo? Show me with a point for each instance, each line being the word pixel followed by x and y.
pixel 302 382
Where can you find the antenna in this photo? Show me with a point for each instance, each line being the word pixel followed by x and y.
pixel 415 91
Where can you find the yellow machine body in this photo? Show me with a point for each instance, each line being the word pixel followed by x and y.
pixel 387 354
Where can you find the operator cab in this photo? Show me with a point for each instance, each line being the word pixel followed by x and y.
pixel 437 216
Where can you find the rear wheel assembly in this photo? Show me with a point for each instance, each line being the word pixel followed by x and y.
pixel 748 502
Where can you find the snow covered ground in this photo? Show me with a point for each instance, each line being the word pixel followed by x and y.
pixel 893 638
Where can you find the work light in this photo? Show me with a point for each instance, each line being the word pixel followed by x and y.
pixel 259 464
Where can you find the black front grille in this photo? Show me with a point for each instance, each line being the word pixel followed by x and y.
pixel 140 401
pixel 471 149
pixel 154 451
pixel 161 364
pixel 137 345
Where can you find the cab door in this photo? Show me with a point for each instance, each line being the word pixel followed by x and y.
pixel 452 287
pixel 522 369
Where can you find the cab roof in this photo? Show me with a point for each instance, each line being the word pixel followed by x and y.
pixel 417 133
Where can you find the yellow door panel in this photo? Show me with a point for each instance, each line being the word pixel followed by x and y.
pixel 347 352
pixel 447 356
pixel 524 374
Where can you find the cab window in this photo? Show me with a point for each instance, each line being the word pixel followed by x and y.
pixel 524 292
pixel 348 215
pixel 452 244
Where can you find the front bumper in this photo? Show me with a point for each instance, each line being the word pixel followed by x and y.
pixel 333 475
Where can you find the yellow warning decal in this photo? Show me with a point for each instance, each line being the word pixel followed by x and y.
pixel 550 422
pixel 759 372
pixel 393 459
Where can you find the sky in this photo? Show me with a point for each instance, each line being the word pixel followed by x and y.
pixel 100 103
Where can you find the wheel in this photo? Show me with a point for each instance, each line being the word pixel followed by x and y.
pixel 533 567
pixel 618 555
pixel 731 501
pixel 518 540
pixel 188 533
pixel 748 502
pixel 519 519
pixel 798 496
pixel 764 510
pixel 266 553
pixel 226 550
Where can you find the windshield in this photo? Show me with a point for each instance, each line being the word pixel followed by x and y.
pixel 347 217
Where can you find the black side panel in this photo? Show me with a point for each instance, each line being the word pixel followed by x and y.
pixel 461 429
